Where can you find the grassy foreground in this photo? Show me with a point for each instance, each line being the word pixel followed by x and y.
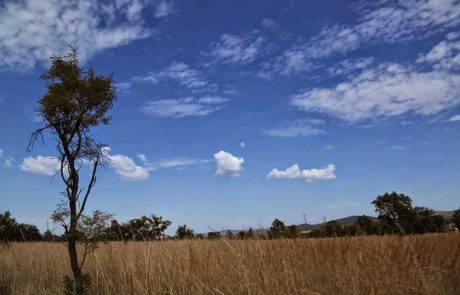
pixel 425 264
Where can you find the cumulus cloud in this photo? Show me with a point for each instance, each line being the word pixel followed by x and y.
pixel 184 107
pixel 227 164
pixel 298 128
pixel 384 91
pixel 127 169
pixel 31 31
pixel 41 165
pixel 182 74
pixel 309 175
pixel 376 22
pixel 236 49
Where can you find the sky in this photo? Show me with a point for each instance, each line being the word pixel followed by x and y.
pixel 233 113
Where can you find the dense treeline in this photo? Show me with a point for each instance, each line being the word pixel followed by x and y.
pixel 396 215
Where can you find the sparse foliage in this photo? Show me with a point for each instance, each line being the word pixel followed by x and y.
pixel 77 100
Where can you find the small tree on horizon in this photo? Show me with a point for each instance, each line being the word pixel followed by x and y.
pixel 77 100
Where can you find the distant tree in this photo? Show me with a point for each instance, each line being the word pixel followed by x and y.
pixel 278 229
pixel 456 218
pixel 199 237
pixel 114 232
pixel 395 213
pixel 183 232
pixel 12 231
pixel 350 230
pixel 8 227
pixel 29 232
pixel 292 231
pixel 48 236
pixel 427 221
pixel 77 100
pixel 229 235
pixel 364 224
pixel 145 228
pixel 333 229
pixel 214 235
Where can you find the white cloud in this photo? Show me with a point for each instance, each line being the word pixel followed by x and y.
pixel 242 144
pixel 1 153
pixel 41 165
pixel 235 49
pixel 454 118
pixel 445 55
pixel 381 22
pixel 164 8
pixel 184 107
pixel 384 91
pixel 310 175
pixel 177 162
pixel 31 31
pixel 227 164
pixel 181 73
pixel 126 168
pixel 329 147
pixel 298 128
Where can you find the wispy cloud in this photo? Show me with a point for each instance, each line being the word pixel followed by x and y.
pixel 184 107
pixel 386 90
pixel 177 162
pixel 31 31
pixel 298 128
pixel 164 8
pixel 309 175
pixel 376 23
pixel 182 74
pixel 236 49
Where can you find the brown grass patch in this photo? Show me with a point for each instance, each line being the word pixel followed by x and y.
pixel 425 264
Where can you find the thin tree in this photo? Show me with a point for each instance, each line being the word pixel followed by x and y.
pixel 77 100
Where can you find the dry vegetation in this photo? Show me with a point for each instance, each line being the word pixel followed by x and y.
pixel 424 264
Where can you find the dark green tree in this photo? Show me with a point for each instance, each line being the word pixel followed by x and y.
pixel 333 229
pixel 292 231
pixel 214 235
pixel 396 213
pixel 229 235
pixel 278 229
pixel 183 232
pixel 77 100
pixel 427 221
pixel 364 224
pixel 145 228
pixel 456 218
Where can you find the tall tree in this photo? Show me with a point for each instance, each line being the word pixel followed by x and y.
pixel 395 213
pixel 77 100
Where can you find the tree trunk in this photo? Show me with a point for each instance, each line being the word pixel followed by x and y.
pixel 73 255
pixel 73 237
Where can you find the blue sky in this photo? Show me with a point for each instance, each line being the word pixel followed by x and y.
pixel 233 113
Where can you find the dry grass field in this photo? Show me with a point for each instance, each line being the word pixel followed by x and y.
pixel 425 264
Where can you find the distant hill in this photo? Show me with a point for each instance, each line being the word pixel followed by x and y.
pixel 350 220
pixel 445 214
pixel 345 221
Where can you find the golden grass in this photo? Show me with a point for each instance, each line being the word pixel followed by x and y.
pixel 426 264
